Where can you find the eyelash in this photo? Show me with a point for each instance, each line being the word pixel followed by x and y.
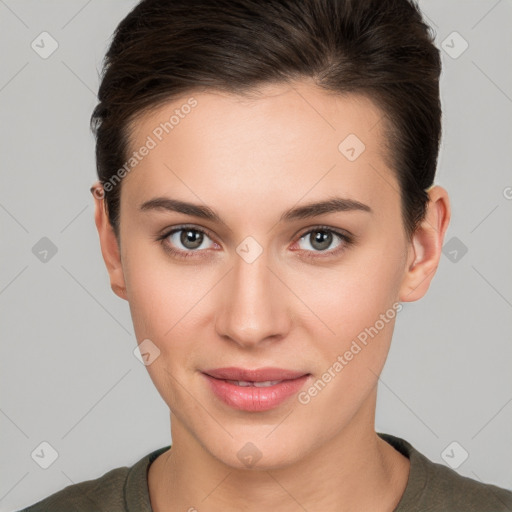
pixel 346 242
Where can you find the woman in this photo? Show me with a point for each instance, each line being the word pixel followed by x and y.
pixel 265 203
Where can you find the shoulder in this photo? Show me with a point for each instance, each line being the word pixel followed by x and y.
pixel 119 490
pixel 458 492
pixel 434 487
pixel 103 493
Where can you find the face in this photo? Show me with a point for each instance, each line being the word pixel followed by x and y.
pixel 253 285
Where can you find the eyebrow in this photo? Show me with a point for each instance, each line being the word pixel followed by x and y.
pixel 333 205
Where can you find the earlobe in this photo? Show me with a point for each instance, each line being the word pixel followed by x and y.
pixel 108 242
pixel 425 247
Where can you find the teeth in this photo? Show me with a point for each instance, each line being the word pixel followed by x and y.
pixel 245 383
pixel 266 383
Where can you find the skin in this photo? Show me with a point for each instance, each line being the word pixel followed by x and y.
pixel 250 160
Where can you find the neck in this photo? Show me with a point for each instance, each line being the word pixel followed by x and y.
pixel 355 470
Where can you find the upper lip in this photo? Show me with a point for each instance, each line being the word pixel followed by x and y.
pixel 257 375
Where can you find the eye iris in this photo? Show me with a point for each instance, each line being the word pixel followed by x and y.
pixel 190 236
pixel 323 238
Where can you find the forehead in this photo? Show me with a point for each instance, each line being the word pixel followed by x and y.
pixel 281 143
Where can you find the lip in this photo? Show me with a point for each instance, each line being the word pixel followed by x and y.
pixel 252 398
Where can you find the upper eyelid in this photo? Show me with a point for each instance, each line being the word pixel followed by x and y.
pixel 320 227
pixel 173 230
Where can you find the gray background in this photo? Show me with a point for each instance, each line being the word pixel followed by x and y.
pixel 68 373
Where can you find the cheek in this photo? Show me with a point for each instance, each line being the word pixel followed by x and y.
pixel 355 305
pixel 163 299
pixel 350 297
pixel 161 292
pixel 358 303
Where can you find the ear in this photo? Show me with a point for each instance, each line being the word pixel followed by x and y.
pixel 108 242
pixel 425 247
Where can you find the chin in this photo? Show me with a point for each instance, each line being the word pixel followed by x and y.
pixel 258 452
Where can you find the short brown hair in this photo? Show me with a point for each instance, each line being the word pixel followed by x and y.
pixel 164 49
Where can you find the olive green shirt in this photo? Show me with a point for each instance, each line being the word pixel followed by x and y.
pixel 431 487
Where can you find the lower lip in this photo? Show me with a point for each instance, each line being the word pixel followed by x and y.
pixel 252 398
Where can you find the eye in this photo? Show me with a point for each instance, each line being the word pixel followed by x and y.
pixel 184 241
pixel 322 238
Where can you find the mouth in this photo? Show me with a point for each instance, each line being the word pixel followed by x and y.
pixel 246 383
pixel 261 375
pixel 254 390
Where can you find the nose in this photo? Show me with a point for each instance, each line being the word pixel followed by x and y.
pixel 253 304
